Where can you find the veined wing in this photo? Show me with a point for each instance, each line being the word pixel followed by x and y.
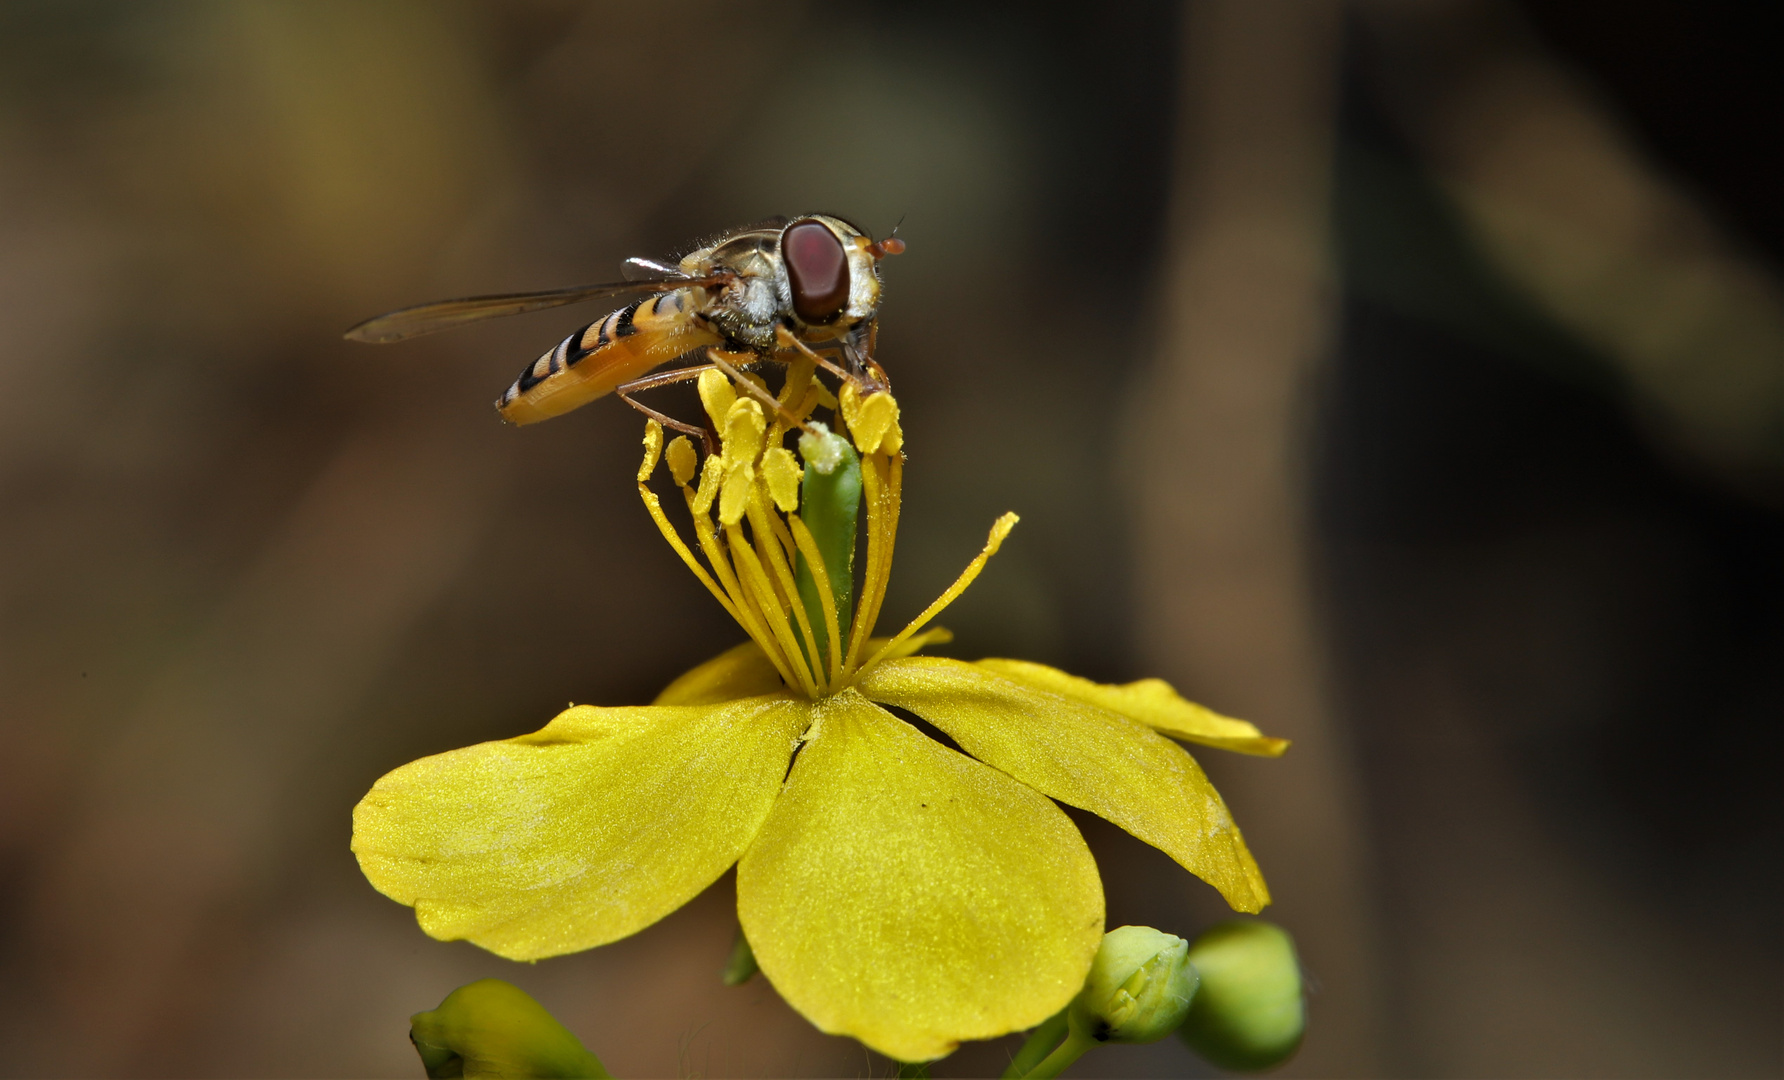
pixel 445 314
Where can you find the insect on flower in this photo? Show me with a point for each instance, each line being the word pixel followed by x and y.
pixel 906 892
pixel 784 283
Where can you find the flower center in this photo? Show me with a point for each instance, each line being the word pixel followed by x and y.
pixel 775 530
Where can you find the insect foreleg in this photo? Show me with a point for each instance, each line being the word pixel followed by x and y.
pixel 859 347
pixel 786 340
pixel 757 392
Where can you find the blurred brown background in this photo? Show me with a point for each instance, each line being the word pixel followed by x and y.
pixel 1406 377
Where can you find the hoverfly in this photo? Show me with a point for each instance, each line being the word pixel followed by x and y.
pixel 782 284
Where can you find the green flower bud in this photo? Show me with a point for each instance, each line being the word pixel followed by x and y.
pixel 1140 987
pixel 493 1029
pixel 741 967
pixel 1249 1013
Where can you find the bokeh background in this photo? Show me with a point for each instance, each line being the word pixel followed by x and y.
pixel 1406 377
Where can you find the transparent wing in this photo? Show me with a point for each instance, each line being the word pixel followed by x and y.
pixel 637 269
pixel 445 314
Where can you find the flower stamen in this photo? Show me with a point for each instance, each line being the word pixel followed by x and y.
pixel 999 529
pixel 756 390
pixel 759 539
pixel 770 606
pixel 787 593
pixel 808 547
pixel 882 497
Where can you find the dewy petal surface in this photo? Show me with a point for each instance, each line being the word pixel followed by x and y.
pixel 1085 756
pixel 911 897
pixel 581 833
pixel 1152 702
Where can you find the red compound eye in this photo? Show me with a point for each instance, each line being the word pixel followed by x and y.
pixel 818 270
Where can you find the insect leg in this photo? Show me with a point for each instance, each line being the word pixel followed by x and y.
pixel 757 392
pixel 786 340
pixel 868 335
pixel 663 378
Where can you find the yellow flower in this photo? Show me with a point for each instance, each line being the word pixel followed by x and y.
pixel 893 889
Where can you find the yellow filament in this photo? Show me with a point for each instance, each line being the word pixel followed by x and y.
pixel 808 546
pixel 750 571
pixel 768 544
pixel 655 507
pixel 882 480
pixel 1000 529
pixel 796 388
pixel 871 585
pixel 935 635
pixel 742 610
pixel 894 495
pixel 766 604
pixel 787 543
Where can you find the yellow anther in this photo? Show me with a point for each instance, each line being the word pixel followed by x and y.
pixel 878 427
pixel 782 473
pixel 717 394
pixel 711 474
pixel 849 404
pixel 744 427
pixel 894 440
pixel 799 380
pixel 682 459
pixel 734 497
pixel 872 420
pixel 653 449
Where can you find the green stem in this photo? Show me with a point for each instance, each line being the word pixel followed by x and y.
pixel 1075 1046
pixel 1041 1042
pixel 830 506
pixel 913 1070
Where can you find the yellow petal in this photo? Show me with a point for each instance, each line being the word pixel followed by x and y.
pixel 738 672
pixel 1085 756
pixel 909 896
pixel 1150 701
pixel 935 635
pixel 588 830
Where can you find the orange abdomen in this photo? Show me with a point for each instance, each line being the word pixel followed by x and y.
pixel 604 355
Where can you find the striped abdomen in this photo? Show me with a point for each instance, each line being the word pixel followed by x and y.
pixel 604 355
